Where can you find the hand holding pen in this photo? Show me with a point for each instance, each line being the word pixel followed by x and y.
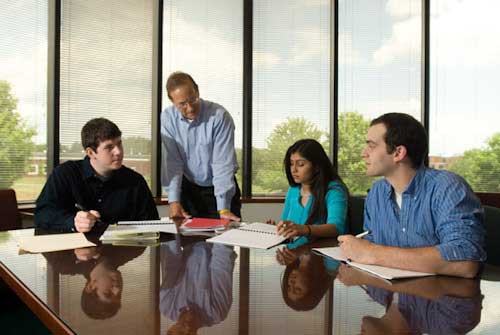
pixel 290 230
pixel 85 220
pixel 356 248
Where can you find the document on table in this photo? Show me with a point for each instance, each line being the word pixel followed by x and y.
pixel 381 271
pixel 54 242
pixel 255 235
pixel 133 231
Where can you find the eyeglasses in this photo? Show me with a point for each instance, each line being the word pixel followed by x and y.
pixel 191 101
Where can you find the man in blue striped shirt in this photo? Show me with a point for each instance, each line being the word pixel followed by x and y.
pixel 199 160
pixel 419 218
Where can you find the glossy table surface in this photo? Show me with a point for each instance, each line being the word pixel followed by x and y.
pixel 184 285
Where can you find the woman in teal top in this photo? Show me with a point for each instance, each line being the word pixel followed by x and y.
pixel 316 202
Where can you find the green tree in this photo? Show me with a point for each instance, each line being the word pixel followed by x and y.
pixel 268 174
pixel 16 145
pixel 481 167
pixel 352 130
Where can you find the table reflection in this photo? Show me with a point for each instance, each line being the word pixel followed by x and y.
pixel 307 276
pixel 429 305
pixel 102 292
pixel 197 284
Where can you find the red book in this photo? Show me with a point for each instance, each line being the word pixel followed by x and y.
pixel 206 224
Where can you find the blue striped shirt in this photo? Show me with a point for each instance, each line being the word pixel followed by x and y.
pixel 202 150
pixel 438 209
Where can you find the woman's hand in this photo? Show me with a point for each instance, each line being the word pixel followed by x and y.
pixel 289 229
pixel 286 256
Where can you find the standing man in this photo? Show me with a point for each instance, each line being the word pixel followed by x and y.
pixel 419 218
pixel 98 189
pixel 199 160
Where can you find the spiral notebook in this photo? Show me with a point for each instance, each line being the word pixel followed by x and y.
pixel 254 235
pixel 145 222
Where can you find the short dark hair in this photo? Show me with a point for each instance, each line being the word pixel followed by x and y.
pixel 98 130
pixel 179 78
pixel 97 309
pixel 404 129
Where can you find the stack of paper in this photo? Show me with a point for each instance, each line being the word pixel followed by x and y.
pixel 128 232
pixel 54 242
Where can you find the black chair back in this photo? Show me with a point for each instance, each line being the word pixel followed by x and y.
pixel 355 214
pixel 10 218
pixel 492 226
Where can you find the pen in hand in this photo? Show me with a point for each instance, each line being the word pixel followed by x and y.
pixel 360 235
pixel 363 234
pixel 80 207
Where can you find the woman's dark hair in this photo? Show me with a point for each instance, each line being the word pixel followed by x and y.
pixel 318 280
pixel 323 173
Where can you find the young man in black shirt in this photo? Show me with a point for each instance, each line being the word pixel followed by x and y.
pixel 80 195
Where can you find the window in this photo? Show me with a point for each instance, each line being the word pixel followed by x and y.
pixel 291 91
pixel 464 120
pixel 23 96
pixel 379 72
pixel 205 39
pixel 106 71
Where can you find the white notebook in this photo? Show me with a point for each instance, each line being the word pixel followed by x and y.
pixel 381 271
pixel 254 235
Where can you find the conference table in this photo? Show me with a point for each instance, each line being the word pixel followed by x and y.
pixel 184 285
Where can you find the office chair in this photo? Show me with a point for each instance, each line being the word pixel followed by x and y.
pixel 492 226
pixel 355 214
pixel 10 217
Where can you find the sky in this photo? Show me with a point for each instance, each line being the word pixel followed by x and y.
pixel 379 68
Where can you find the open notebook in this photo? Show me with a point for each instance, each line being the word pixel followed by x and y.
pixel 254 235
pixel 381 271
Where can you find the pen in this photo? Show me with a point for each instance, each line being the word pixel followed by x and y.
pixel 363 234
pixel 80 207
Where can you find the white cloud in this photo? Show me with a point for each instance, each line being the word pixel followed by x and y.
pixel 310 45
pixel 463 33
pixel 405 40
pixel 467 34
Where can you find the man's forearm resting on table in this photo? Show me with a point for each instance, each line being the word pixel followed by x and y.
pixel 425 259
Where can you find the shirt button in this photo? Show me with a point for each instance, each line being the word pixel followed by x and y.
pixel 404 230
pixel 99 200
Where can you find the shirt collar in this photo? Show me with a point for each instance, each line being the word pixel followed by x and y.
pixel 88 170
pixel 412 187
pixel 416 181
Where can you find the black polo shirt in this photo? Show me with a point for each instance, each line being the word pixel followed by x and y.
pixel 123 196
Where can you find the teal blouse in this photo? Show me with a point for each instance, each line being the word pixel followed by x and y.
pixel 336 205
